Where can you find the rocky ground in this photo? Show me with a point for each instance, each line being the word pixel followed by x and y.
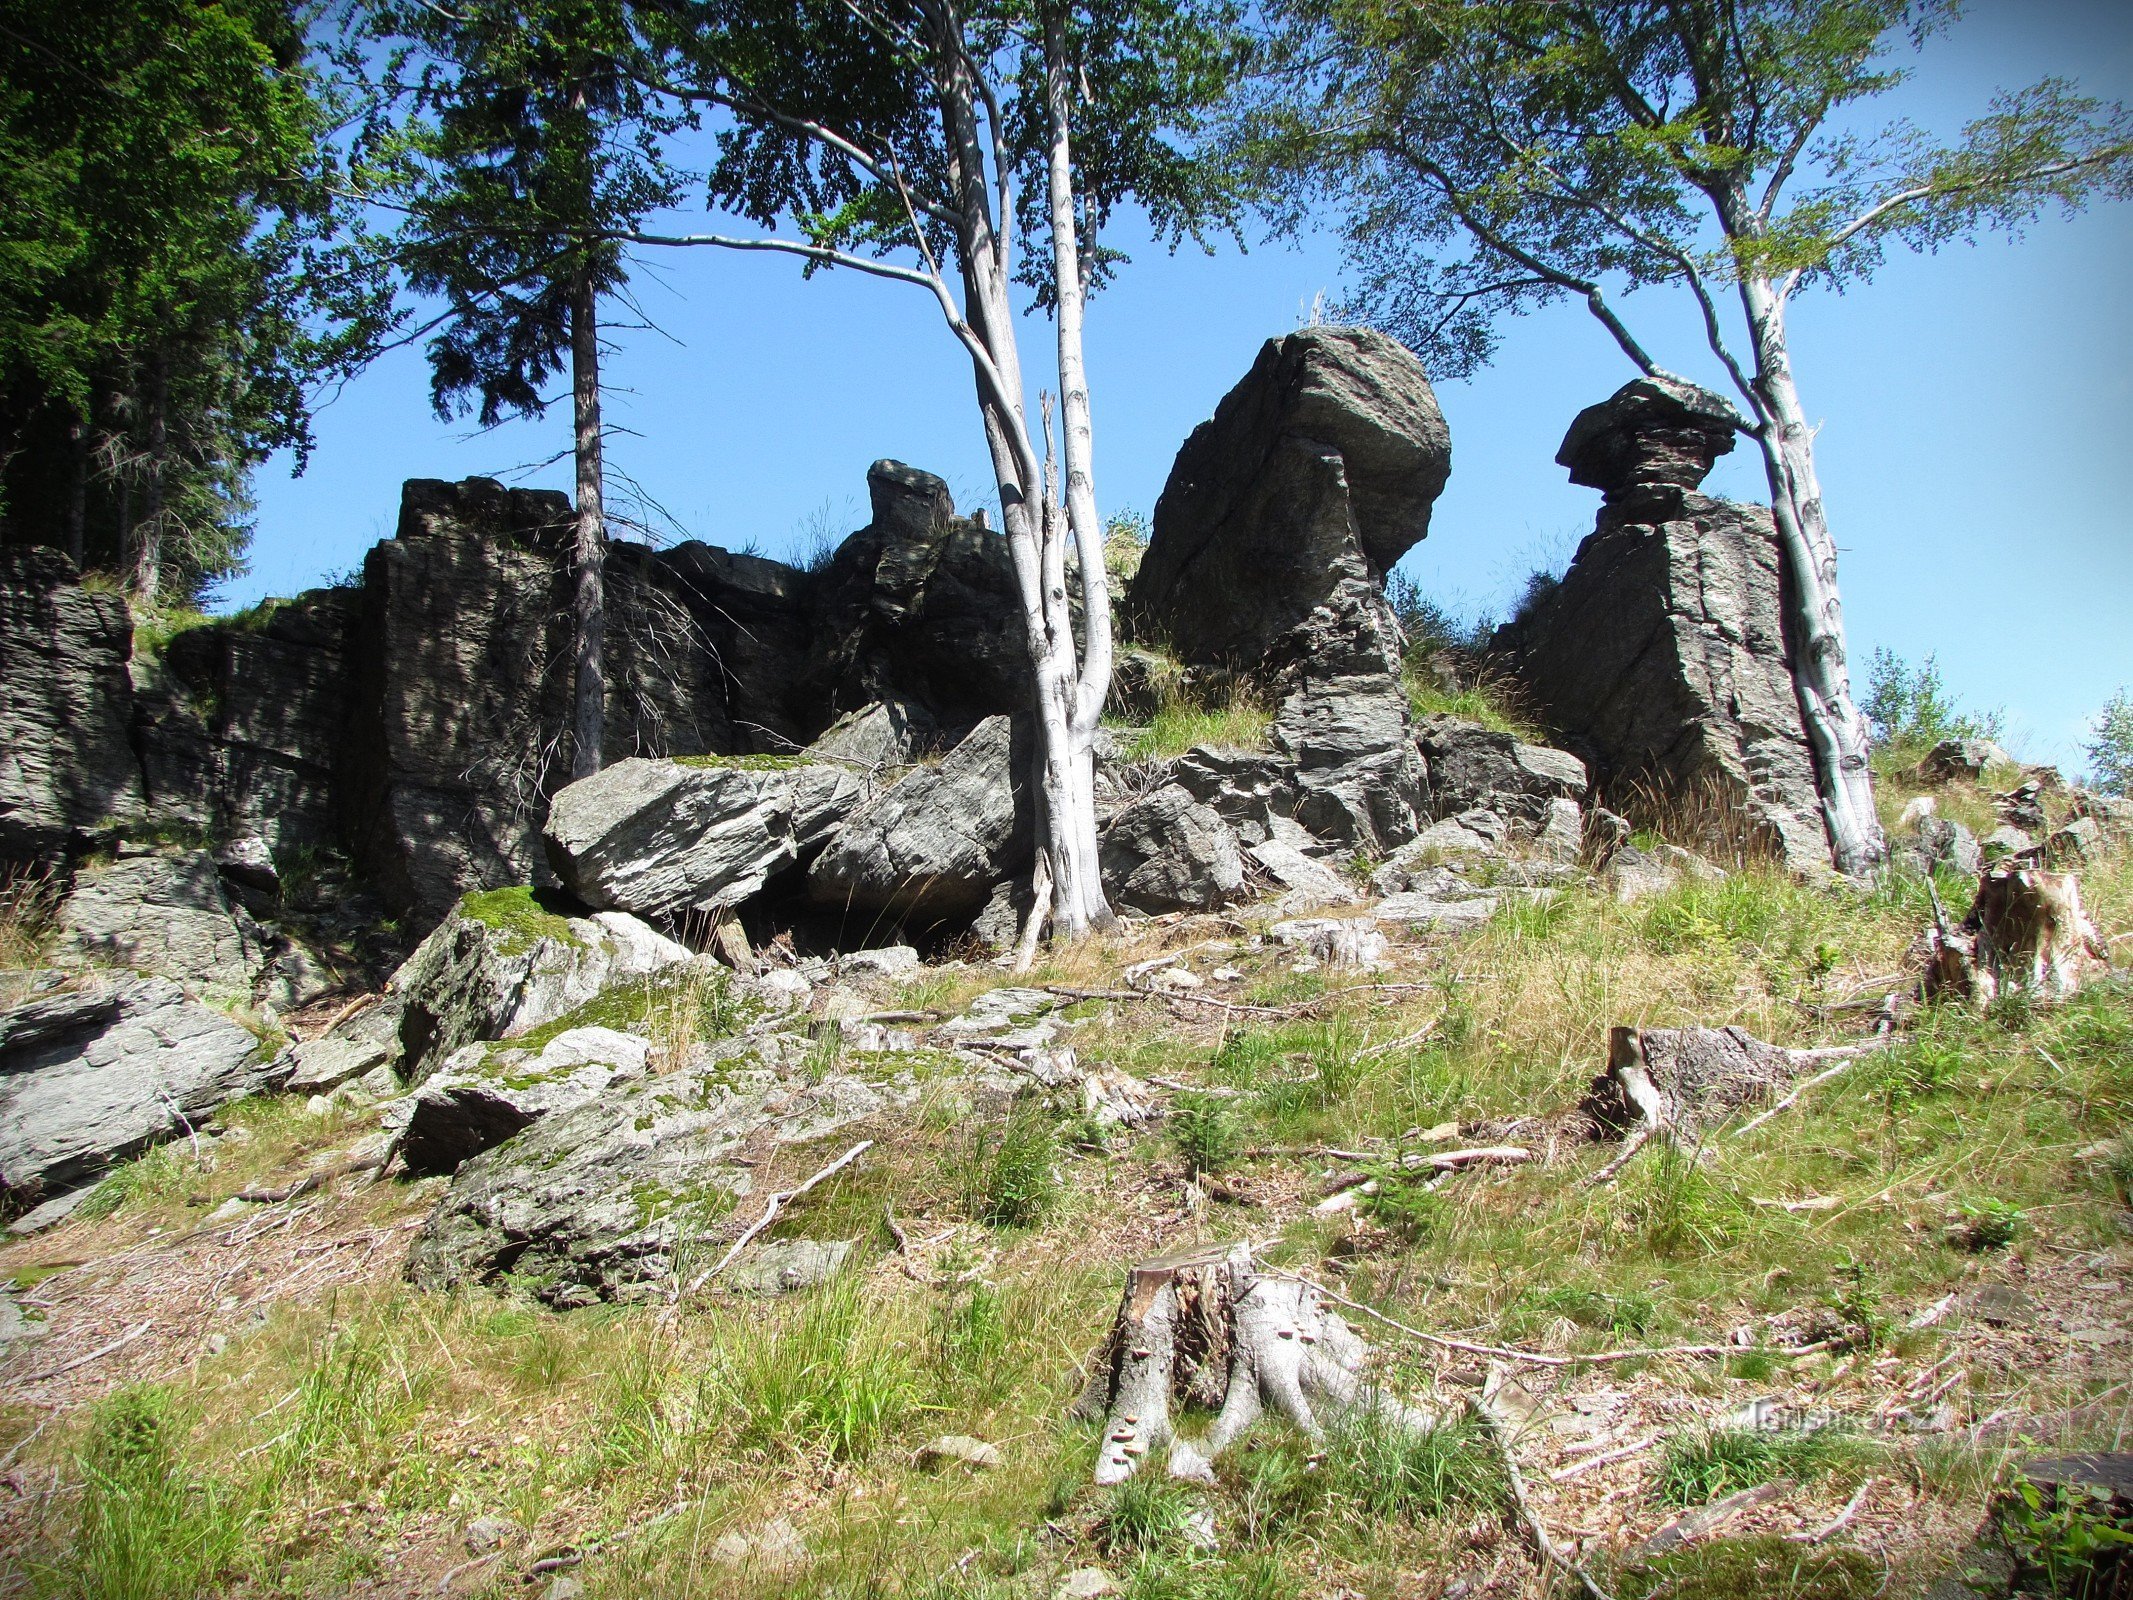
pixel 1801 1364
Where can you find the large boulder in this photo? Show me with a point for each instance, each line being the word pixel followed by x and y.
pixel 930 851
pixel 504 963
pixel 1664 658
pixel 67 766
pixel 1649 441
pixel 486 1093
pixel 665 839
pixel 1475 767
pixel 1169 852
pixel 163 914
pixel 1319 468
pixel 920 606
pixel 603 1201
pixel 93 1074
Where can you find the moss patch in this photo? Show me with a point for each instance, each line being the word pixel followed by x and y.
pixel 518 914
pixel 755 763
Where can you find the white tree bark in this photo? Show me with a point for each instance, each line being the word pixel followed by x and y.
pixel 589 550
pixel 1821 672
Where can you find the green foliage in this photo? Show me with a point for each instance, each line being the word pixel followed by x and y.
pixel 2069 1539
pixel 1908 710
pixel 1238 720
pixel 1370 1470
pixel 1699 1465
pixel 1014 1169
pixel 834 1382
pixel 149 1528
pixel 1766 1566
pixel 2110 746
pixel 164 1173
pixel 171 277
pixel 1990 1224
pixel 518 914
pixel 1149 1511
pixel 1203 1129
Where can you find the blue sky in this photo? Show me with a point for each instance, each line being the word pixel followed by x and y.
pixel 1976 410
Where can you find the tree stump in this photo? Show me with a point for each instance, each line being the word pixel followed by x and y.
pixel 2026 934
pixel 1205 1326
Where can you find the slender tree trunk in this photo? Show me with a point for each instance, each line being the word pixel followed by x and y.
pixel 77 490
pixel 148 546
pixel 589 600
pixel 1821 674
pixel 1067 805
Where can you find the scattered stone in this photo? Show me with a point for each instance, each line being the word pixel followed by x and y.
pixel 502 964
pixel 93 1076
pixel 486 1093
pixel 365 1042
pixel 1423 913
pixel 563 1587
pixel 786 1266
pixel 1954 759
pixel 1350 942
pixel 890 961
pixel 49 1215
pixel 1085 1583
pixel 486 1535
pixel 931 849
pixel 1938 842
pixel 777 1543
pixel 1472 834
pixel 2000 1305
pixel 162 914
pixel 1472 768
pixel 1309 883
pixel 667 840
pixel 958 1450
pixel 1169 852
pixel 2005 841
pixel 2081 842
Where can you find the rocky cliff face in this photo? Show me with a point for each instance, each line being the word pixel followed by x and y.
pixel 1664 658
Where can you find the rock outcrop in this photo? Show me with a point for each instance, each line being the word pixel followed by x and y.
pixel 1664 658
pixel 163 914
pixel 668 840
pixel 67 766
pixel 92 1074
pixel 1319 468
pixel 503 963
pixel 487 1093
pixel 930 850
pixel 1169 852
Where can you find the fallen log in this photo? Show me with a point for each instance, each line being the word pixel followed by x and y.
pixel 2027 933
pixel 1205 1325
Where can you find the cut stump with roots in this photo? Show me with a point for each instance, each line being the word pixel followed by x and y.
pixel 1207 1327
pixel 2027 934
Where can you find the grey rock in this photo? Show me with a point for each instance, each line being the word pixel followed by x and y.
pixel 1962 758
pixel 2113 812
pixel 1336 941
pixel 665 839
pixel 1253 791
pixel 1472 834
pixel 1649 442
pixel 248 861
pixel 160 914
pixel 483 975
pixel 1168 852
pixel 998 1010
pixel 930 850
pixel 1426 913
pixel 2081 842
pixel 597 1203
pixel 485 1535
pixel 1413 869
pixel 890 961
pixel 1473 767
pixel 1938 842
pixel 1000 923
pixel 958 1450
pixel 1360 783
pixel 294 977
pixel 94 1077
pixel 51 1213
pixel 486 1093
pixel 1663 659
pixel 356 1046
pixel 878 736
pixel 1320 465
pixel 1307 883
pixel 2006 840
pixel 1562 834
pixel 920 605
pixel 67 765
pixel 786 1266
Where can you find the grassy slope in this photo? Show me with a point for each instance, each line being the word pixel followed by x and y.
pixel 340 1438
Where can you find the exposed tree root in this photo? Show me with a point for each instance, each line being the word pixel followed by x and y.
pixel 1208 1326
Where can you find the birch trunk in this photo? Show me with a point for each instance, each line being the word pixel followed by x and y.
pixel 589 554
pixel 1066 766
pixel 1821 673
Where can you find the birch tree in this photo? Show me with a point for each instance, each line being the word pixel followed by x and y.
pixel 1497 155
pixel 967 148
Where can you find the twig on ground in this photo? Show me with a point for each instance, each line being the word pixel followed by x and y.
pixel 778 1201
pixel 1579 1469
pixel 308 1182
pixel 1551 1553
pixel 444 1584
pixel 1851 1509
pixel 97 1354
pixel 1691 1525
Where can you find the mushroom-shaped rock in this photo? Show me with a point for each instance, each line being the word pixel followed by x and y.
pixel 1655 435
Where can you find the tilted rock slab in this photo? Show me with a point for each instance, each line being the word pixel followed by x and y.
pixel 1169 852
pixel 500 966
pixel 662 839
pixel 597 1203
pixel 161 914
pixel 92 1076
pixel 486 1093
pixel 932 849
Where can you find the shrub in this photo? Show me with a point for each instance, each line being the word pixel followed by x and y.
pixel 1204 1131
pixel 1014 1170
pixel 2110 746
pixel 1909 710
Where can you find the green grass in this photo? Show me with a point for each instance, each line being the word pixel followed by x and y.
pixel 744 763
pixel 1768 1567
pixel 1239 721
pixel 1013 1169
pixel 1476 704
pixel 1699 1465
